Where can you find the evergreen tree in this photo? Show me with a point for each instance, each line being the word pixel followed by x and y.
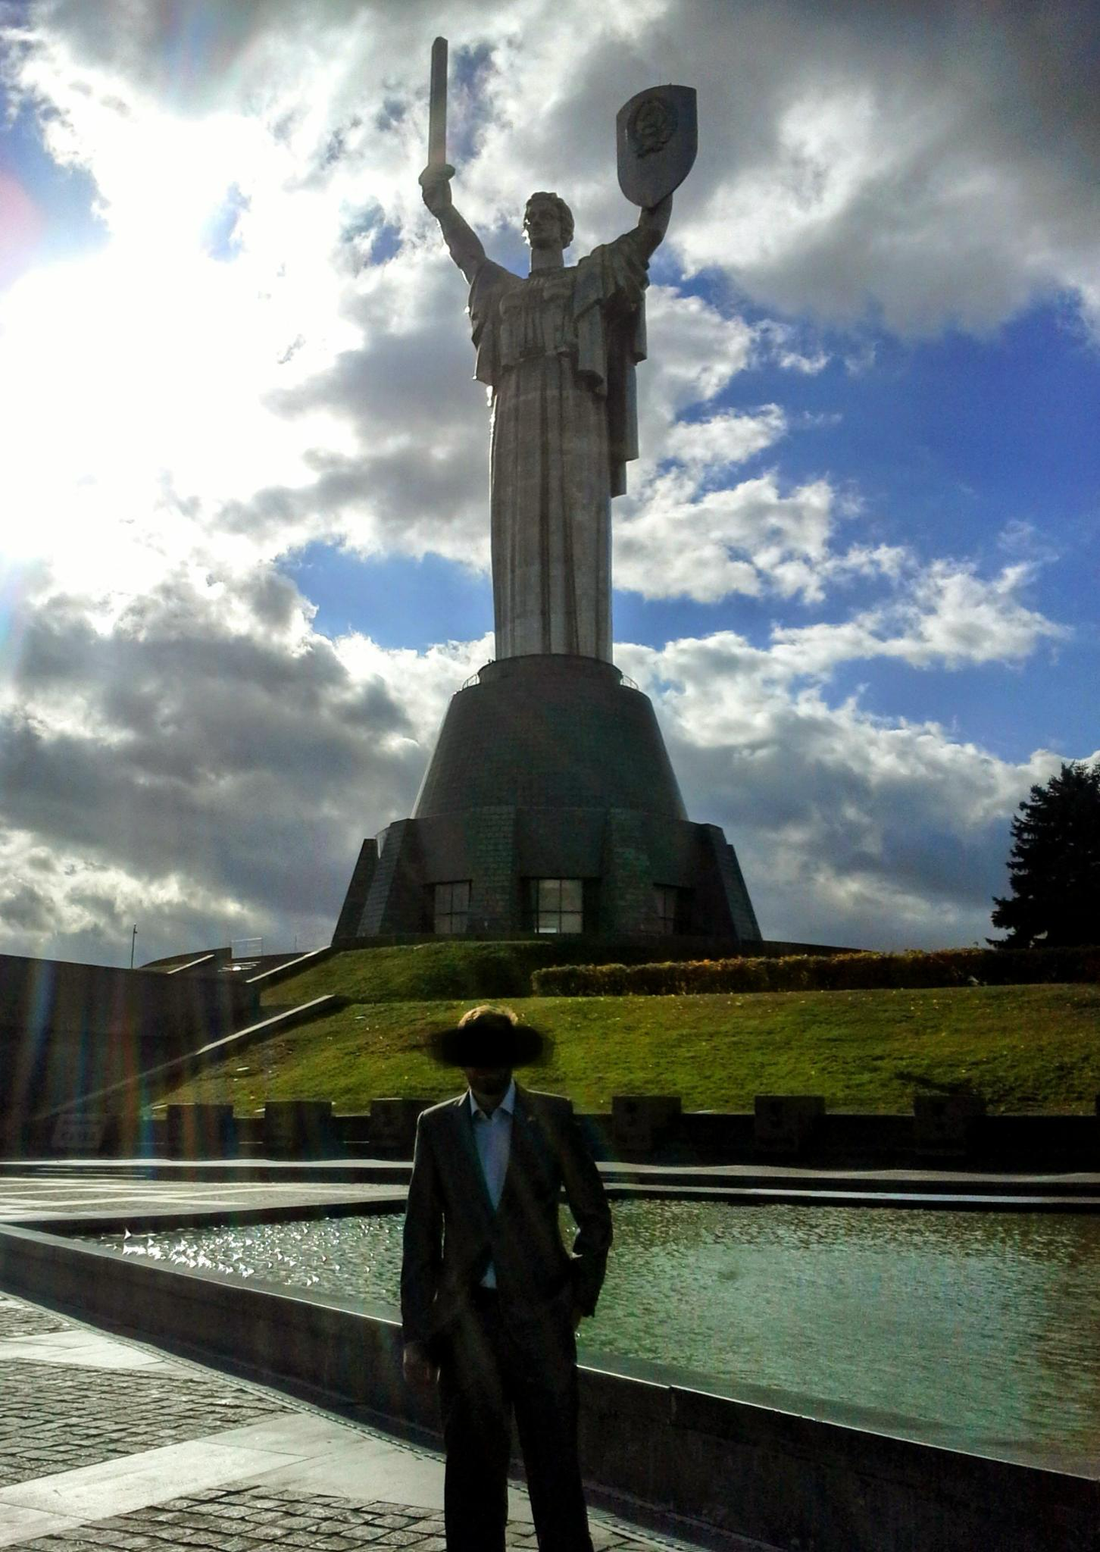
pixel 1054 865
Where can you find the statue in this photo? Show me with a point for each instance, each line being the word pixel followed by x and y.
pixel 550 804
pixel 557 350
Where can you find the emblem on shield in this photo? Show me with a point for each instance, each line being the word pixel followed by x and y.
pixel 657 138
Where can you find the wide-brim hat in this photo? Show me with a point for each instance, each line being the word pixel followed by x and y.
pixel 490 1039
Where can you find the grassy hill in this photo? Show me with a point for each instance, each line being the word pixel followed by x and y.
pixel 449 967
pixel 1025 1048
pixel 421 972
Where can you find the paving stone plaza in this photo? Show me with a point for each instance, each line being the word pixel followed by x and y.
pixel 106 1443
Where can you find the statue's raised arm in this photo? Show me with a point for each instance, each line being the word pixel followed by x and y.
pixel 653 224
pixel 558 349
pixel 462 241
pixel 435 181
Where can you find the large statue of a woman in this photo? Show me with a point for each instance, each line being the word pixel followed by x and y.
pixel 558 351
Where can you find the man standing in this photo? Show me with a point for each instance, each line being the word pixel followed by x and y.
pixel 490 1298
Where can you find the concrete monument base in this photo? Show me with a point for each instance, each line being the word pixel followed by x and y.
pixel 549 805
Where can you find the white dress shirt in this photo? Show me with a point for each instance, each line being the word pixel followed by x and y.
pixel 493 1135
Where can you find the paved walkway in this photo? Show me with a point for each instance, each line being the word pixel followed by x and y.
pixel 148 1193
pixel 54 1198
pixel 106 1443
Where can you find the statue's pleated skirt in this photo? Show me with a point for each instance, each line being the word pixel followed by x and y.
pixel 551 513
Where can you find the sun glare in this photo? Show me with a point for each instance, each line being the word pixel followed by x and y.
pixel 152 355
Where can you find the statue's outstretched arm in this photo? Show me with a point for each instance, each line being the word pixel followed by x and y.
pixel 462 241
pixel 653 224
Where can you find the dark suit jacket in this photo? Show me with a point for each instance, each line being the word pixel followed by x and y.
pixel 452 1232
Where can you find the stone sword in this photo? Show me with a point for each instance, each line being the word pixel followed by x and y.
pixel 437 106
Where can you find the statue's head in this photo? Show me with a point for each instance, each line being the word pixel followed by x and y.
pixel 547 221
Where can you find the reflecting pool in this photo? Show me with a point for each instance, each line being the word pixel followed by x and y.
pixel 978 1329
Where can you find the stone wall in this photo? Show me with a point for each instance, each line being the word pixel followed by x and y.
pixel 494 897
pixel 70 1029
pixel 999 1144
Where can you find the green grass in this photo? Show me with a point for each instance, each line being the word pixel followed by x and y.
pixel 1025 1048
pixel 424 972
pixel 445 968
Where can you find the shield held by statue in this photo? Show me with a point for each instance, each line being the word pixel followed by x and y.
pixel 657 137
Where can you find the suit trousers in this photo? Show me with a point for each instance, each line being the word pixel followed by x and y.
pixel 490 1367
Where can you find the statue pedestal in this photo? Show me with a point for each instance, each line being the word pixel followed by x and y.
pixel 549 805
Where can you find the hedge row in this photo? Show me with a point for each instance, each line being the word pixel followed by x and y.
pixel 460 968
pixel 840 972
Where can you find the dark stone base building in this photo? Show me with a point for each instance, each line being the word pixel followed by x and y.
pixel 549 806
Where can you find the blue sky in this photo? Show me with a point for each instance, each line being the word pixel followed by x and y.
pixel 245 557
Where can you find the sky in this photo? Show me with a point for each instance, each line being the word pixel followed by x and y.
pixel 244 474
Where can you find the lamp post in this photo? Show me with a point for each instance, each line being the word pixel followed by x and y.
pixel 133 942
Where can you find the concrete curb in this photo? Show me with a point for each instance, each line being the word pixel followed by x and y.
pixel 283 972
pixel 222 1217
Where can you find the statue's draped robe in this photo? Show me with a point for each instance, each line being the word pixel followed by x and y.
pixel 558 349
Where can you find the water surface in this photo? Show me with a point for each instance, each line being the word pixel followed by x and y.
pixel 969 1328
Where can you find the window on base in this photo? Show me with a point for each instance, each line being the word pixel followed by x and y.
pixel 673 908
pixel 451 907
pixel 555 904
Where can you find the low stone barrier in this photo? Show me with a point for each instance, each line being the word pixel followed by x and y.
pixel 662 1452
pixel 1029 1143
pixel 393 1124
pixel 300 1129
pixel 787 1124
pixel 639 1122
pixel 201 1132
pixel 80 1133
pixel 945 1125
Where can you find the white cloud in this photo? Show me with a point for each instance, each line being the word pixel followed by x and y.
pixel 933 164
pixel 701 349
pixel 750 538
pixel 724 439
pixel 930 164
pixel 850 828
pixel 949 616
pixel 206 765
pixel 201 763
